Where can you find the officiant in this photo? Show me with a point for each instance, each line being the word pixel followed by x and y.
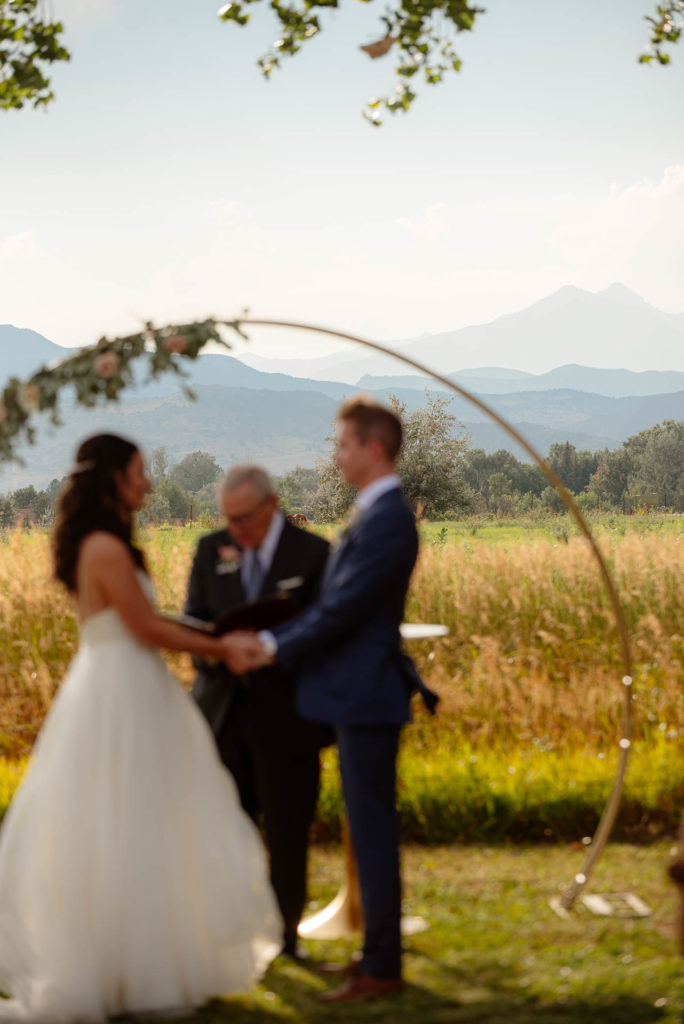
pixel 272 752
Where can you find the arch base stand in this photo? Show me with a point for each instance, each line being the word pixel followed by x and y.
pixel 607 904
pixel 342 919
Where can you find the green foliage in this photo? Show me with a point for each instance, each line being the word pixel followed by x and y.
pixel 195 471
pixel 495 794
pixel 665 29
pixel 7 513
pixel 158 464
pixel 421 31
pixel 98 374
pixel 648 470
pixel 24 496
pixel 27 43
pixel 431 461
pixel 429 464
pixel 297 488
pixel 574 469
pixel 172 496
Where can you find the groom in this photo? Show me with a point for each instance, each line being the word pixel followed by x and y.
pixel 352 673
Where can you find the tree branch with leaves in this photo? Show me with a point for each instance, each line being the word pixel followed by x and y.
pixel 421 33
pixel 27 44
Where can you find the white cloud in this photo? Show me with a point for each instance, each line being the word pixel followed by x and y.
pixel 21 247
pixel 434 224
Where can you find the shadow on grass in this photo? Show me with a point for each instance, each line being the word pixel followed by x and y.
pixel 287 995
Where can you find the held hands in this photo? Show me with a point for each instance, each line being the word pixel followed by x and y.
pixel 244 652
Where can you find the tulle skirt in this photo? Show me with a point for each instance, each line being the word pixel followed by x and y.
pixel 130 877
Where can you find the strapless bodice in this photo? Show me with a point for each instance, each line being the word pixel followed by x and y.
pixel 104 627
pixel 107 626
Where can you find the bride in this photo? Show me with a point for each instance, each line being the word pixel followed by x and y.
pixel 130 878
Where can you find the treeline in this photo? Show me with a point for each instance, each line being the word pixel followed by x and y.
pixel 645 472
pixel 441 474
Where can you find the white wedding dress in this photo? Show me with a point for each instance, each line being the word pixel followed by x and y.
pixel 130 878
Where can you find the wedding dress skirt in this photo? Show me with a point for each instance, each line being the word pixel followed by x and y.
pixel 130 877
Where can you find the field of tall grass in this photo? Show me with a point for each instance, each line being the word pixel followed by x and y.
pixel 526 737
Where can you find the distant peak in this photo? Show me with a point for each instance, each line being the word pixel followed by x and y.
pixel 621 293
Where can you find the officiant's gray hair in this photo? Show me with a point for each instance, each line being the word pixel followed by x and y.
pixel 247 473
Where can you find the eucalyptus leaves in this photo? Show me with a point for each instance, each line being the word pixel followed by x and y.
pixel 99 373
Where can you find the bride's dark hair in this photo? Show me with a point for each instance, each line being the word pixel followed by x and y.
pixel 90 502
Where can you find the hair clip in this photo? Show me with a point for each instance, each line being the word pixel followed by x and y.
pixel 82 467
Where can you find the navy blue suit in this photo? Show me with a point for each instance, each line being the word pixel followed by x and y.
pixel 352 672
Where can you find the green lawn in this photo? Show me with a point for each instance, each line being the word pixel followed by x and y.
pixel 558 528
pixel 494 951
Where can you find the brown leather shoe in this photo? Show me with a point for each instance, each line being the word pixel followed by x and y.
pixel 349 970
pixel 363 986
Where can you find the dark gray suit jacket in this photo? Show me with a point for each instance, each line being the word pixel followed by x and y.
pixel 211 592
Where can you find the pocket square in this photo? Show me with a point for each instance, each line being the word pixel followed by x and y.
pixel 291 583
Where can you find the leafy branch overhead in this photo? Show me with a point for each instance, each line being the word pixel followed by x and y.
pixel 27 44
pixel 421 32
pixel 665 29
pixel 99 374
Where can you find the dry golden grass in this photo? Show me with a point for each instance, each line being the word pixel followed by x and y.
pixel 532 657
pixel 533 652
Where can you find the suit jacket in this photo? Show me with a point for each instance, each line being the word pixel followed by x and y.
pixel 346 646
pixel 210 592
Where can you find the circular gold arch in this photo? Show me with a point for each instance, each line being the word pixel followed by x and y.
pixel 607 820
pixel 102 371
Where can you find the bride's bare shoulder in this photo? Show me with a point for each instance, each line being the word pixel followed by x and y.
pixel 101 546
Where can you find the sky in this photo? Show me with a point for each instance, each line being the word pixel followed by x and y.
pixel 170 181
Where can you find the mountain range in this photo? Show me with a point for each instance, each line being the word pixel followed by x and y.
pixel 279 412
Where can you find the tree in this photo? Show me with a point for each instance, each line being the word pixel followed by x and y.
pixel 43 508
pixel 54 488
pixel 612 476
pixel 24 496
pixel 420 32
pixel 430 464
pixel 176 498
pixel 195 471
pixel 159 464
pixel 479 468
pixel 297 488
pixel 7 512
pixel 574 469
pixel 660 470
pixel 431 460
pixel 27 43
pixel 156 509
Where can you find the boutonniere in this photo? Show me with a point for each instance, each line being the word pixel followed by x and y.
pixel 348 525
pixel 230 560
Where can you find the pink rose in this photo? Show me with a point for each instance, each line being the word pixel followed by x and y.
pixel 29 398
pixel 175 343
pixel 106 364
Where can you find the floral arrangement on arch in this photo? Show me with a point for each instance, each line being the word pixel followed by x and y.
pixel 100 373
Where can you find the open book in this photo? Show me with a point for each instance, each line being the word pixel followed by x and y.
pixel 265 613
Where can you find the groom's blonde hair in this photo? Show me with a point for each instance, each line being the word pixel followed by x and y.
pixel 372 420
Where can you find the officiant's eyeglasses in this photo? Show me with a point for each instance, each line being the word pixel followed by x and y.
pixel 246 517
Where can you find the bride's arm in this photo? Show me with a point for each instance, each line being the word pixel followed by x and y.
pixel 106 563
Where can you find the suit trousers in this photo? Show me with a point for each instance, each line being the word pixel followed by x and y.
pixel 277 780
pixel 368 757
